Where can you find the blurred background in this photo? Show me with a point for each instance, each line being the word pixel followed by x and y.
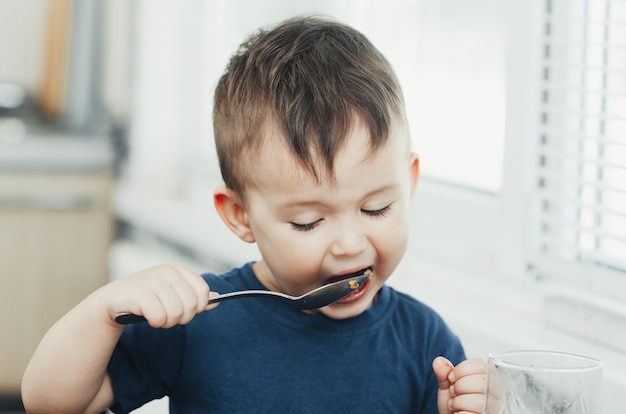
pixel 517 110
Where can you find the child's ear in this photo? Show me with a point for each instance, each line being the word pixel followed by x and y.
pixel 414 171
pixel 231 210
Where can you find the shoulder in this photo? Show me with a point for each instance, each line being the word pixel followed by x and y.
pixel 423 325
pixel 406 306
pixel 235 279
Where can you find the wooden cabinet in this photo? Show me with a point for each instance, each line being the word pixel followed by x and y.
pixel 55 231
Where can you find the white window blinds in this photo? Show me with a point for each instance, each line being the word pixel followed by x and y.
pixel 579 234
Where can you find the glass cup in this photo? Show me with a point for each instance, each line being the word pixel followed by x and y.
pixel 542 382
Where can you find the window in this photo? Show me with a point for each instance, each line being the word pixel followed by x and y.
pixel 579 237
pixel 457 91
pixel 448 54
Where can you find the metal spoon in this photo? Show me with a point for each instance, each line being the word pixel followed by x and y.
pixel 317 298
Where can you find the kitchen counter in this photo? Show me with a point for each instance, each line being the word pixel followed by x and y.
pixel 57 227
pixel 57 153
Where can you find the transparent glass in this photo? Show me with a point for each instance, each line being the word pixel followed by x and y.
pixel 542 382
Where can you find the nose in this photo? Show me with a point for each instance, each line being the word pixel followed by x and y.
pixel 349 240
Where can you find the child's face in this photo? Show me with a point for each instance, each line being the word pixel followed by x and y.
pixel 310 234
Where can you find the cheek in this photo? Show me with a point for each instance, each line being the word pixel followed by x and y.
pixel 290 256
pixel 392 240
pixel 288 243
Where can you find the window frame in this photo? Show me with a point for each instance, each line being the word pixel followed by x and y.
pixel 491 233
pixel 493 225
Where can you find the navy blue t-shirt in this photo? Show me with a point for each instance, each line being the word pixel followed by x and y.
pixel 261 356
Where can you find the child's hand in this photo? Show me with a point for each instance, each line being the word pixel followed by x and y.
pixel 166 295
pixel 461 388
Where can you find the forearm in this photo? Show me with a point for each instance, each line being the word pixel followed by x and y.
pixel 68 369
pixel 68 372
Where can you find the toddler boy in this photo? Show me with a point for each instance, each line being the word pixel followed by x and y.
pixel 314 149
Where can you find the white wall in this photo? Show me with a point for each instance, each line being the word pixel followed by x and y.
pixel 22 34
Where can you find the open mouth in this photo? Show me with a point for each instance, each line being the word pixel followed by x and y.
pixel 349 275
pixel 359 291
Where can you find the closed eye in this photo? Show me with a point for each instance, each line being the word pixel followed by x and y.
pixel 305 226
pixel 377 213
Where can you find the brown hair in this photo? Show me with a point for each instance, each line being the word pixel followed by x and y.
pixel 309 77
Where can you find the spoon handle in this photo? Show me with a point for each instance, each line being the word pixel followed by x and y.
pixel 128 318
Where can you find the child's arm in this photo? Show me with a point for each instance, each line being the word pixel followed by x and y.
pixel 68 372
pixel 461 388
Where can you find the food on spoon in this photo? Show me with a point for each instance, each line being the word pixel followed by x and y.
pixel 354 284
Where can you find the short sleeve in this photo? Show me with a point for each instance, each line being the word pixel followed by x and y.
pixel 145 364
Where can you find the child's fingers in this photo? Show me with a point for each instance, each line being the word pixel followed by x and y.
pixel 469 380
pixel 193 293
pixel 173 306
pixel 468 412
pixel 469 367
pixel 203 292
pixel 471 403
pixel 166 295
pixel 212 305
pixel 200 289
pixel 186 306
pixel 153 310
pixel 469 384
pixel 442 368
